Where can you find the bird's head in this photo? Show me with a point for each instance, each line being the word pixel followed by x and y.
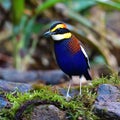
pixel 58 31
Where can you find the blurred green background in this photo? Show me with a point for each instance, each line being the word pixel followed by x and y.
pixel 23 22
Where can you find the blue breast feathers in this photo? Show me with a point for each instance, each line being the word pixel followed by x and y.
pixel 71 64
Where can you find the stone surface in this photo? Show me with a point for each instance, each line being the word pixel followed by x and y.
pixel 3 102
pixel 107 104
pixel 47 76
pixel 12 86
pixel 46 112
pixel 52 76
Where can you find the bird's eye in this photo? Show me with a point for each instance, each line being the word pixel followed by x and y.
pixel 58 29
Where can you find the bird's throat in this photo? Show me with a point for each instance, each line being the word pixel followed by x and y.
pixel 59 37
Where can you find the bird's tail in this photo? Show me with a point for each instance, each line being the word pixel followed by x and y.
pixel 88 76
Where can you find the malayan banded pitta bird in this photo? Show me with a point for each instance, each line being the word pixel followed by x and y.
pixel 70 54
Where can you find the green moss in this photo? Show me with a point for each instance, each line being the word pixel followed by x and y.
pixel 78 106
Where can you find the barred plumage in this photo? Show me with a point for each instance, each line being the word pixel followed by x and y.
pixel 70 55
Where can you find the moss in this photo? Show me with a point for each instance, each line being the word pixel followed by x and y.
pixel 79 106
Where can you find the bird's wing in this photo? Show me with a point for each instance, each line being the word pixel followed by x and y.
pixel 83 50
pixel 86 56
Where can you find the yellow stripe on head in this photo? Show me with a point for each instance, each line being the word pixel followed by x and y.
pixel 58 26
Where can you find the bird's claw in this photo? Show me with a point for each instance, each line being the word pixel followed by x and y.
pixel 80 93
pixel 68 97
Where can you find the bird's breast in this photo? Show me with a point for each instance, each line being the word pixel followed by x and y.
pixel 70 57
pixel 68 47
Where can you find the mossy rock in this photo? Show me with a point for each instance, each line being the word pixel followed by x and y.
pixel 77 107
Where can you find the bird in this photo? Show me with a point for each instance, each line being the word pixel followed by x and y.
pixel 70 55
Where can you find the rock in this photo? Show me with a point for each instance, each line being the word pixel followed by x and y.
pixel 14 75
pixel 47 77
pixel 47 112
pixel 12 86
pixel 107 104
pixel 52 76
pixel 3 102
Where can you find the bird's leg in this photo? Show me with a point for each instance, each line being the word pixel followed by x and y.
pixel 80 86
pixel 67 95
pixel 77 78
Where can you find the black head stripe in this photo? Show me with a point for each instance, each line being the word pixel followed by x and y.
pixel 61 31
pixel 56 23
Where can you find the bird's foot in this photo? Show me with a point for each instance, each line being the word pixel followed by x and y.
pixel 80 93
pixel 68 97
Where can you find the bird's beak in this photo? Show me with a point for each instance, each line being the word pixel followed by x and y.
pixel 47 34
